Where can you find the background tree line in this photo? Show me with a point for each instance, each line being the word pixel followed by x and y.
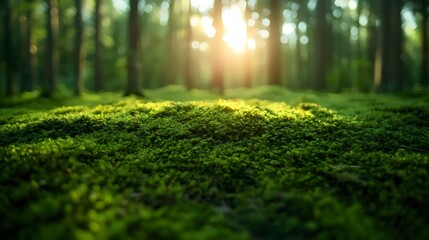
pixel 112 45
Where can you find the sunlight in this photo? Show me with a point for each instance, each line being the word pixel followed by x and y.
pixel 207 25
pixel 353 5
pixel 235 28
pixel 251 43
pixel 288 28
pixel 121 5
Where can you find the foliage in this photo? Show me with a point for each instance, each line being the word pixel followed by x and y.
pixel 298 165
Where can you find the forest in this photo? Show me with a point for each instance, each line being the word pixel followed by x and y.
pixel 336 46
pixel 210 119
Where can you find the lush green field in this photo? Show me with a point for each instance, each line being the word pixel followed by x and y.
pixel 262 164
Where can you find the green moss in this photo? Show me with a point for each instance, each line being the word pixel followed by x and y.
pixel 298 166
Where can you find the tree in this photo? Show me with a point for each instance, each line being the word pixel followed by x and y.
pixel 248 74
pixel 323 48
pixel 389 63
pixel 133 84
pixel 188 50
pixel 8 48
pixel 275 51
pixel 218 48
pixel 28 48
pixel 170 67
pixel 50 81
pixel 98 78
pixel 78 49
pixel 424 78
pixel 301 73
pixel 373 39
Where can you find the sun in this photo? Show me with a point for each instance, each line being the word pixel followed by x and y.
pixel 235 28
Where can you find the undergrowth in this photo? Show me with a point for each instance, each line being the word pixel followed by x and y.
pixel 309 167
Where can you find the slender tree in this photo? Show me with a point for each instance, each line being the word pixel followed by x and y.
pixel 218 48
pixel 188 50
pixel 52 59
pixel 98 78
pixel 389 62
pixel 323 48
pixel 248 74
pixel 78 49
pixel 373 40
pixel 28 49
pixel 134 86
pixel 170 67
pixel 366 46
pixel 274 48
pixel 300 81
pixel 8 53
pixel 424 78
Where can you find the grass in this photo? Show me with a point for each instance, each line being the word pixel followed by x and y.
pixel 260 164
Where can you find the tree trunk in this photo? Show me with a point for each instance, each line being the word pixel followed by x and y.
pixel 25 43
pixel 8 48
pixel 366 48
pixel 78 58
pixel 32 49
pixel 28 49
pixel 98 75
pixel 275 48
pixel 372 42
pixel 390 48
pixel 424 80
pixel 188 51
pixel 170 67
pixel 133 84
pixel 301 80
pixel 51 68
pixel 323 44
pixel 218 48
pixel 248 74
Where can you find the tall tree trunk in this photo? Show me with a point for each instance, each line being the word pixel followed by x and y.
pixel 170 67
pixel 98 74
pixel 299 76
pixel 358 51
pixel 275 48
pixel 188 51
pixel 218 48
pixel 424 78
pixel 372 41
pixel 8 48
pixel 133 84
pixel 301 50
pixel 78 58
pixel 51 68
pixel 248 74
pixel 346 50
pixel 323 44
pixel 31 50
pixel 390 49
pixel 366 48
pixel 25 64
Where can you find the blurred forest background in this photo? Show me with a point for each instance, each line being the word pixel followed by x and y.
pixel 49 46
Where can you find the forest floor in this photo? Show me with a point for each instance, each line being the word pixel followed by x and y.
pixel 264 163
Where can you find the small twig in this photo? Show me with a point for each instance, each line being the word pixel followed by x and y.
pixel 415 149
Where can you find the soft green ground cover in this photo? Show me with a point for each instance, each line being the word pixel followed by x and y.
pixel 290 166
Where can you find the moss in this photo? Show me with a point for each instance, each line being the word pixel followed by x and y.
pixel 311 166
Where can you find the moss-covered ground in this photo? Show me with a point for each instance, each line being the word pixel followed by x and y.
pixel 259 164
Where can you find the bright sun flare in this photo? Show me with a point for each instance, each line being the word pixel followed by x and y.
pixel 235 34
pixel 235 28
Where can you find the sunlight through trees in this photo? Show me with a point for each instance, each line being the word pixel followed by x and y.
pixel 335 45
